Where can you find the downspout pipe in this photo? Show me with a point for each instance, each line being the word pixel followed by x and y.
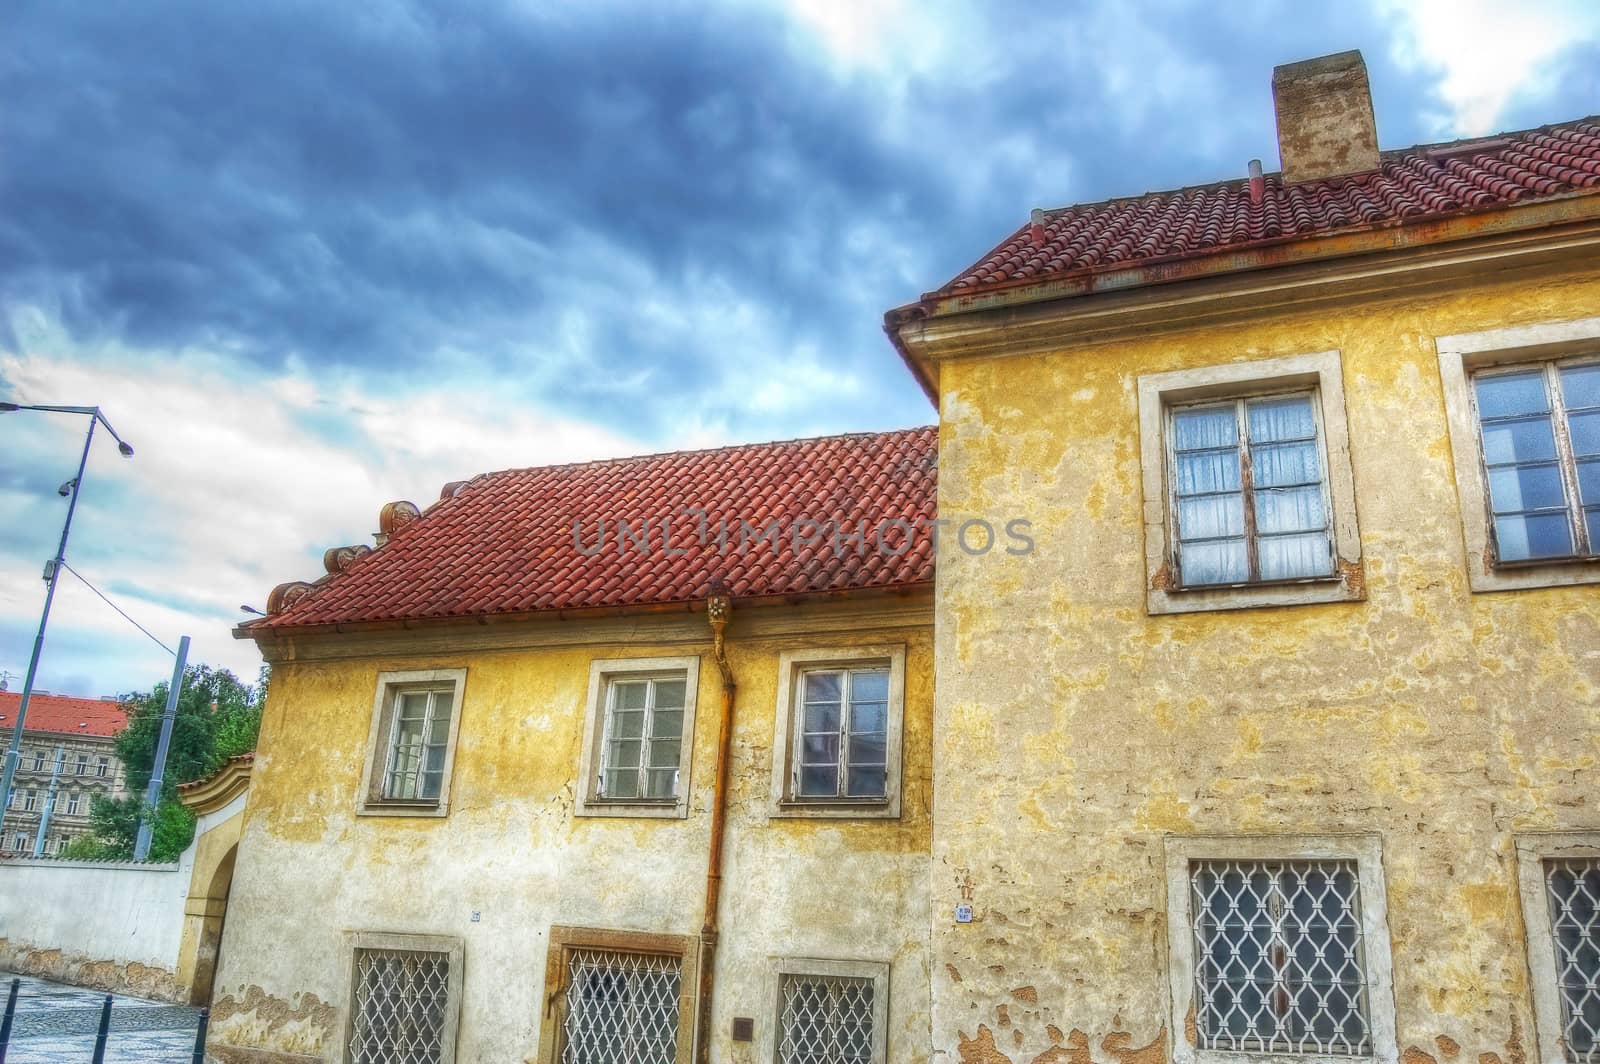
pixel 718 610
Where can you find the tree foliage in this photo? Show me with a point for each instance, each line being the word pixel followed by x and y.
pixel 217 718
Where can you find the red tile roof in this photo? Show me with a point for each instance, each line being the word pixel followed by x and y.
pixel 63 714
pixel 504 542
pixel 1421 184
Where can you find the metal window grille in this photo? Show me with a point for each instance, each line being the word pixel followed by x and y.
pixel 825 1019
pixel 419 735
pixel 1279 959
pixel 643 738
pixel 842 734
pixel 1573 887
pixel 621 1008
pixel 1540 432
pixel 402 1003
pixel 1249 492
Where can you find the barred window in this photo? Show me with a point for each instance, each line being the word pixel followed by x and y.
pixel 1250 495
pixel 1573 891
pixel 825 1020
pixel 1279 957
pixel 621 1007
pixel 1540 433
pixel 404 1005
pixel 643 738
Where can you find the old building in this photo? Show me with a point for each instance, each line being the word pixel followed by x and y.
pixel 1282 743
pixel 79 732
pixel 1267 652
pixel 581 746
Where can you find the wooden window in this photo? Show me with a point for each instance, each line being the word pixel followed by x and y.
pixel 622 997
pixel 411 747
pixel 1249 492
pixel 838 732
pixel 638 737
pixel 1539 433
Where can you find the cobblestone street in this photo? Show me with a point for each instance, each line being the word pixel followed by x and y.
pixel 56 1024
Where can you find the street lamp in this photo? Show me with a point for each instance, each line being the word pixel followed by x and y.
pixel 52 572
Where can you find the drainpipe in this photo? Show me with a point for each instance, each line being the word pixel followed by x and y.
pixel 718 610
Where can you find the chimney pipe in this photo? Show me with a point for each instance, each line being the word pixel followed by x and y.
pixel 1258 184
pixel 1326 126
pixel 1036 232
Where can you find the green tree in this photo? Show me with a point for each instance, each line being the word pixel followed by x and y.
pixel 217 718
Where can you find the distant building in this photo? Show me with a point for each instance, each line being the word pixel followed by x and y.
pixel 82 729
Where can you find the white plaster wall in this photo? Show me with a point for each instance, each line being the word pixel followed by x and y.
pixel 102 911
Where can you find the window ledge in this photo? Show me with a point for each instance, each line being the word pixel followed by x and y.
pixel 1349 585
pixel 402 809
pixel 677 809
pixel 794 809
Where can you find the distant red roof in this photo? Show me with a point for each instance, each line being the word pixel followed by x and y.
pixel 507 543
pixel 1416 185
pixel 63 714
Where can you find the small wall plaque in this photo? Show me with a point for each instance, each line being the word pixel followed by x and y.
pixel 963 914
pixel 744 1029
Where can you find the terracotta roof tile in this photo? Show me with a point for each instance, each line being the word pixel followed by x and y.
pixel 505 542
pixel 1414 185
pixel 63 714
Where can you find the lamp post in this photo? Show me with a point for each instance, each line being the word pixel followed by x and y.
pixel 52 572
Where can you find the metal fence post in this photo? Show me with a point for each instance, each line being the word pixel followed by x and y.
pixel 199 1038
pixel 5 1024
pixel 105 1030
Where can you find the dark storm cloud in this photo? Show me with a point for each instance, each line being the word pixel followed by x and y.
pixel 372 187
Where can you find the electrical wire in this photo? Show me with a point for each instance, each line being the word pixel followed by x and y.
pixel 119 609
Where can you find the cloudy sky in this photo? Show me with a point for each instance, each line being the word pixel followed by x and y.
pixel 311 257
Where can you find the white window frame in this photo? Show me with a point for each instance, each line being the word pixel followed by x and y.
pixel 1460 356
pixel 602 672
pixel 1318 373
pixel 102 767
pixel 792 664
pixel 1533 849
pixel 1367 853
pixel 385 940
pixel 875 971
pixel 369 800
pixel 81 765
pixel 74 803
pixel 30 800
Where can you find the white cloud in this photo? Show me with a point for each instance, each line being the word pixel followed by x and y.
pixel 1486 50
pixel 241 479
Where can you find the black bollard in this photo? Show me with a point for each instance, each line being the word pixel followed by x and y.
pixel 199 1038
pixel 105 1031
pixel 5 1024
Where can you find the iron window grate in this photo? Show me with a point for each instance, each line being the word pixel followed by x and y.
pixel 825 1019
pixel 621 1008
pixel 1573 887
pixel 1279 959
pixel 401 1006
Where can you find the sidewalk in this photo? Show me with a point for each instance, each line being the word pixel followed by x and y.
pixel 56 1024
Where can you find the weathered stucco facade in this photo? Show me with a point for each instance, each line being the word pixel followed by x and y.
pixel 310 868
pixel 1075 734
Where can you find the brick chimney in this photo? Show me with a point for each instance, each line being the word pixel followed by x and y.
pixel 1325 122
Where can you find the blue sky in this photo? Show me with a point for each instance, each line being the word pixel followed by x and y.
pixel 314 257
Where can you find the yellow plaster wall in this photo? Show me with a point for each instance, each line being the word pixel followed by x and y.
pixel 511 849
pixel 1073 731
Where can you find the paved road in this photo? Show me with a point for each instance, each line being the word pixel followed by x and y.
pixel 56 1024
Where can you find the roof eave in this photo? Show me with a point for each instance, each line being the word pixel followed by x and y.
pixel 271 633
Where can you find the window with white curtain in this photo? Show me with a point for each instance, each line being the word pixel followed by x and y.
pixel 1249 491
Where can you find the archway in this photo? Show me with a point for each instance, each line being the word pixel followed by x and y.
pixel 218 802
